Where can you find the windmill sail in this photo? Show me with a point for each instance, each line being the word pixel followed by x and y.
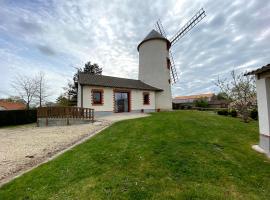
pixel 173 72
pixel 188 26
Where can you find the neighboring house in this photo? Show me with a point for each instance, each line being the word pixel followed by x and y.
pixel 214 103
pixel 180 101
pixel 192 98
pixel 263 101
pixel 7 105
pixel 107 94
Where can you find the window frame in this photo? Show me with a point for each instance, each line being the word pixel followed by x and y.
pixel 100 91
pixel 148 99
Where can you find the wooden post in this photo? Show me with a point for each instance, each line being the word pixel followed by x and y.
pixel 47 117
pixel 67 116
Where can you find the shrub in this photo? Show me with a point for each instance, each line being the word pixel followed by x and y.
pixel 203 103
pixel 223 112
pixel 233 113
pixel 254 114
pixel 15 117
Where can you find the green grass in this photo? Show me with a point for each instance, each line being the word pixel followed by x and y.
pixel 180 155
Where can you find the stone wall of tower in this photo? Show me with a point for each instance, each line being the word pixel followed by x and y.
pixel 153 70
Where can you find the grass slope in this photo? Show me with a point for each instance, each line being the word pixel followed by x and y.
pixel 179 155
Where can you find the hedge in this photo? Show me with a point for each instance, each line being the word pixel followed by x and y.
pixel 254 114
pixel 223 112
pixel 15 117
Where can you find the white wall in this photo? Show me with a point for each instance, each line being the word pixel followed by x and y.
pixel 108 101
pixel 107 98
pixel 153 70
pixel 263 97
pixel 137 100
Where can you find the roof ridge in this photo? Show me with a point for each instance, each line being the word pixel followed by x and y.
pixel 107 76
pixel 111 81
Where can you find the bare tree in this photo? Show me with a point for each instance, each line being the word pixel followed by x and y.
pixel 241 91
pixel 42 89
pixel 26 86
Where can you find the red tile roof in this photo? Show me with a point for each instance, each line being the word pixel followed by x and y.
pixel 12 105
pixel 197 96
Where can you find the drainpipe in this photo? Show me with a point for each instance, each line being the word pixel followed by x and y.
pixel 81 96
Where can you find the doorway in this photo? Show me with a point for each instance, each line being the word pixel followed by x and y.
pixel 121 101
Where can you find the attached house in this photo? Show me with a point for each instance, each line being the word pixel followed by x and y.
pixel 151 92
pixel 108 94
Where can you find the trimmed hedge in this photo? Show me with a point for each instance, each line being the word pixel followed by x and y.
pixel 223 112
pixel 254 114
pixel 15 117
pixel 233 113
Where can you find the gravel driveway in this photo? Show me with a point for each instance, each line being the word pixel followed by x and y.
pixel 23 147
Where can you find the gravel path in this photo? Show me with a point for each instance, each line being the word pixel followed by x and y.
pixel 23 147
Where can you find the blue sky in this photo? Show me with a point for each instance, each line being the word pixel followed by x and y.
pixel 55 36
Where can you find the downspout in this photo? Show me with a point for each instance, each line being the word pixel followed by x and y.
pixel 81 96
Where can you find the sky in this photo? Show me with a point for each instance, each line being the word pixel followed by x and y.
pixel 56 36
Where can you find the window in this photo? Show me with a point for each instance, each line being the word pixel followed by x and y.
pixel 168 63
pixel 146 99
pixel 97 96
pixel 168 46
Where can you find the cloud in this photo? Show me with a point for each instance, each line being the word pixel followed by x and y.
pixel 70 33
pixel 46 50
pixel 29 27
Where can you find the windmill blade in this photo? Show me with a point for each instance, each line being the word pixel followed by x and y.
pixel 188 26
pixel 160 28
pixel 173 71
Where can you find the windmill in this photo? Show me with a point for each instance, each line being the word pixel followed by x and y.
pixel 179 34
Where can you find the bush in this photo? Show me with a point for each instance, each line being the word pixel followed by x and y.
pixel 15 117
pixel 201 103
pixel 223 112
pixel 233 113
pixel 254 114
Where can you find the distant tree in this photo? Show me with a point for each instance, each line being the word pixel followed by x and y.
pixel 202 103
pixel 92 68
pixel 222 96
pixel 14 99
pixel 62 100
pixel 72 88
pixel 241 91
pixel 26 86
pixel 71 93
pixel 42 89
pixel 89 69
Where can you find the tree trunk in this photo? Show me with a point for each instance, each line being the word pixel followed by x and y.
pixel 245 116
pixel 40 102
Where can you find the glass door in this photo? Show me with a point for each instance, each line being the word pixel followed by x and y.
pixel 121 102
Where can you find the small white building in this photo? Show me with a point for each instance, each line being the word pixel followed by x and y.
pixel 263 99
pixel 151 92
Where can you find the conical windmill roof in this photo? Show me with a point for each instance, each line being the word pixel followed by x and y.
pixel 154 35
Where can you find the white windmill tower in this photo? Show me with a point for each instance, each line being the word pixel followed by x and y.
pixel 156 63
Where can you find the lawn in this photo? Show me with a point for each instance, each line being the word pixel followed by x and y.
pixel 177 155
